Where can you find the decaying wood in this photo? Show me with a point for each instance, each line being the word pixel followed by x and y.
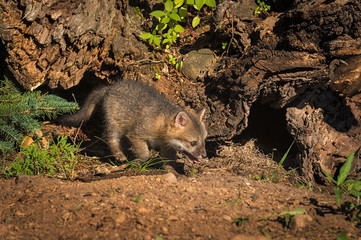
pixel 305 60
pixel 299 61
pixel 56 42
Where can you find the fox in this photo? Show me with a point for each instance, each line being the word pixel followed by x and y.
pixel 147 119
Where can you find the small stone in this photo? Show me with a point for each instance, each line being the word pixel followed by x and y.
pixel 143 210
pixel 120 219
pixel 227 218
pixel 170 178
pixel 197 62
pixel 299 222
pixel 165 230
pixel 190 189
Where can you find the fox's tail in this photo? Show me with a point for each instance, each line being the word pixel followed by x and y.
pixel 86 110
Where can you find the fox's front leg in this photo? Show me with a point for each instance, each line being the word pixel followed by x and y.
pixel 168 153
pixel 140 148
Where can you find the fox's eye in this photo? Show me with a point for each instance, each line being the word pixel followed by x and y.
pixel 193 143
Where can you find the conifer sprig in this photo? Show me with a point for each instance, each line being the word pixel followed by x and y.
pixel 20 113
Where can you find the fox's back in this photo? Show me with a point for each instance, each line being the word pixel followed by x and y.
pixel 130 104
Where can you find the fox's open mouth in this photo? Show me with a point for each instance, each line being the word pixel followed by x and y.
pixel 190 157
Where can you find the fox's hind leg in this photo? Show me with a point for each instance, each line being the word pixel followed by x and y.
pixel 113 138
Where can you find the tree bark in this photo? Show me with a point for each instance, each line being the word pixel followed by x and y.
pixel 56 42
pixel 306 60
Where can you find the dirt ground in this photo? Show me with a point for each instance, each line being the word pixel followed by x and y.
pixel 204 203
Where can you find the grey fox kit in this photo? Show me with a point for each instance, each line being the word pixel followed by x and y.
pixel 145 117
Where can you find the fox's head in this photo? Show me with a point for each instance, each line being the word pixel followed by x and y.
pixel 189 134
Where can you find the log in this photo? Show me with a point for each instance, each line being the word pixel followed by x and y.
pixel 305 60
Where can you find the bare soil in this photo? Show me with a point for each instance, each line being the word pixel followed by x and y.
pixel 204 203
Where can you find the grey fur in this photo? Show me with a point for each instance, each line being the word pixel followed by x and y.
pixel 145 117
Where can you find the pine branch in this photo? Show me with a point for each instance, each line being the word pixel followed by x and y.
pixel 19 112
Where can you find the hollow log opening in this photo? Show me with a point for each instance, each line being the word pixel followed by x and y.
pixel 268 126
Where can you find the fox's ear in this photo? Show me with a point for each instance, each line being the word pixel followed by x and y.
pixel 201 113
pixel 181 120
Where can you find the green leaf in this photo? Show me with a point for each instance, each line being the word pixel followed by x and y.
pixel 297 211
pixel 338 193
pixel 198 4
pixel 165 19
pixel 178 28
pixel 161 26
pixel 356 185
pixel 211 3
pixel 183 12
pixel 293 212
pixel 168 5
pixel 329 177
pixel 286 154
pixel 342 236
pixel 190 2
pixel 146 35
pixel 178 3
pixel 157 13
pixel 345 169
pixel 355 193
pixel 138 199
pixel 156 41
pixel 175 16
pixel 195 21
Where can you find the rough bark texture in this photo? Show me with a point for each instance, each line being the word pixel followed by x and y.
pixel 305 60
pixel 56 42
pixel 295 60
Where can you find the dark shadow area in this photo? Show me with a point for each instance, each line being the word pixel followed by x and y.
pixel 335 110
pixel 321 210
pixel 93 129
pixel 337 114
pixel 268 126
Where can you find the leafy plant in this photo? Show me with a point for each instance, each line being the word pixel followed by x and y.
pixel 309 186
pixel 20 111
pixel 342 236
pixel 138 199
pixel 140 166
pixel 262 6
pixel 34 160
pixel 169 20
pixel 275 176
pixel 233 202
pixel 342 186
pixel 240 221
pixel 349 187
pixel 159 237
